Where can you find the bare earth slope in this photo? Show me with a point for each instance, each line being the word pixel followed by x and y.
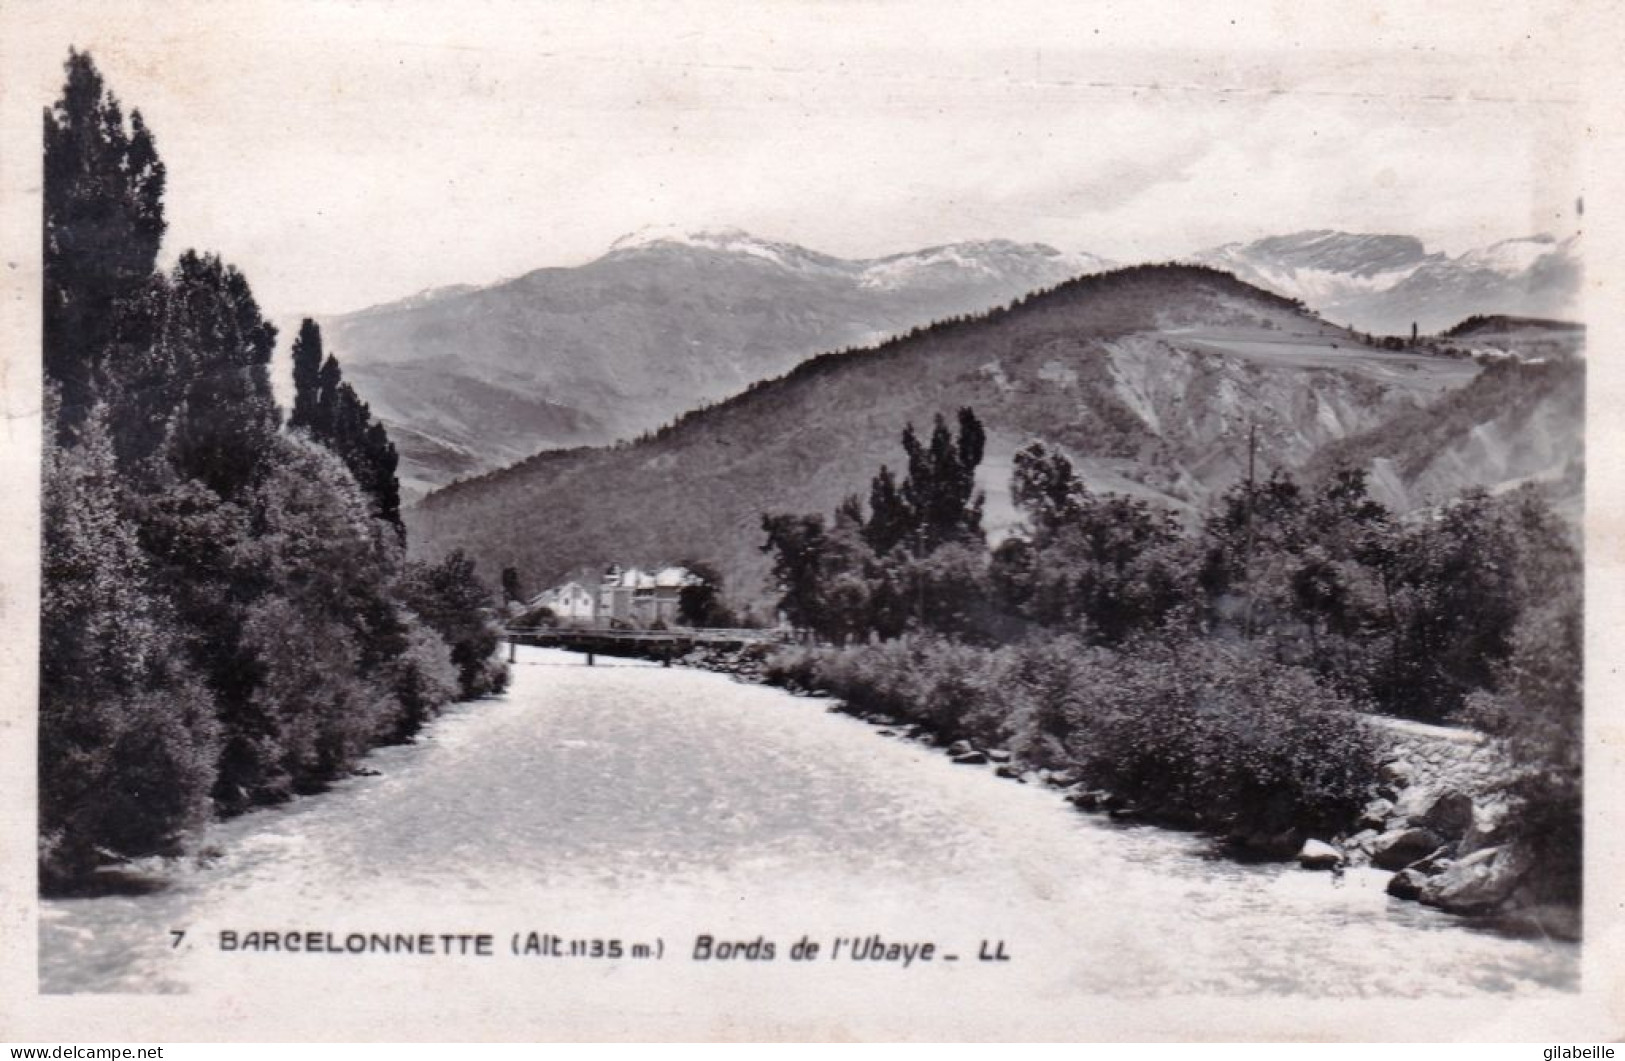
pixel 1521 421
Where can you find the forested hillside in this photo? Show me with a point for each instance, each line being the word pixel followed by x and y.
pixel 1149 378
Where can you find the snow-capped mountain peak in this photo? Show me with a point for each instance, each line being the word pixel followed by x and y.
pixel 731 241
pixel 1385 283
pixel 1510 257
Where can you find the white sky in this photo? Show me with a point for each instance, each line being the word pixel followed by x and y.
pixel 344 154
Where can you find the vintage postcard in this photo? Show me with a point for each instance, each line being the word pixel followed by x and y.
pixel 866 520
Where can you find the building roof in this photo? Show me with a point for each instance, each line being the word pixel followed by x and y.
pixel 673 576
pixel 638 578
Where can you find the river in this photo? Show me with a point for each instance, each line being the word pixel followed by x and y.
pixel 655 806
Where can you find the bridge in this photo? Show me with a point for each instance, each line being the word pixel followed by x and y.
pixel 663 645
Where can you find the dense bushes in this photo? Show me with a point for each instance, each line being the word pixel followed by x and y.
pixel 1208 733
pixel 1210 675
pixel 1190 731
pixel 954 690
pixel 1537 708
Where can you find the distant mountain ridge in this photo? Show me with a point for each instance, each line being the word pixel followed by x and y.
pixel 469 379
pixel 1383 284
pixel 1149 378
pixel 472 378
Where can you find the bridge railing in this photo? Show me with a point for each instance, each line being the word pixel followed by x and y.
pixel 696 634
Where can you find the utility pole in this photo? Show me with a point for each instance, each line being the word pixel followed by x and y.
pixel 1247 547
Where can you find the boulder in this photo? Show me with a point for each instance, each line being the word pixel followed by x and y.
pixel 1362 841
pixel 1491 827
pixel 1376 814
pixel 1065 777
pixel 1450 814
pixel 1097 799
pixel 1400 847
pixel 1435 862
pixel 1284 844
pixel 1398 773
pixel 1007 770
pixel 1413 802
pixel 1406 884
pixel 969 758
pixel 888 733
pixel 1477 884
pixel 960 747
pixel 1086 800
pixel 1316 854
pixel 998 755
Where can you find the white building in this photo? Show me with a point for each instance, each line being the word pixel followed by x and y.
pixel 572 604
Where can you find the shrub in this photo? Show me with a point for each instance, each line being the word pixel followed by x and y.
pixel 1211 734
pixel 451 600
pixel 955 691
pixel 1049 682
pixel 1199 732
pixel 421 679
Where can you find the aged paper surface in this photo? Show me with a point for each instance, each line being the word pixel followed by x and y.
pixel 687 115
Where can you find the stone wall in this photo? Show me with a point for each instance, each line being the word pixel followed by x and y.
pixel 1440 757
pixel 1438 822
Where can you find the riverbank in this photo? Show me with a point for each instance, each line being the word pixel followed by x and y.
pixel 1433 815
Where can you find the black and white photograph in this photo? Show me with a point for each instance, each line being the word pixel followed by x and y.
pixel 859 520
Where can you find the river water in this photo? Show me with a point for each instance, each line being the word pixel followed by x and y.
pixel 655 806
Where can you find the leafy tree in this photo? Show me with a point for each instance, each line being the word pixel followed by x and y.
pixel 454 603
pixel 1045 488
pixel 1106 565
pixel 796 544
pixel 946 592
pixel 222 615
pixel 940 492
pixel 890 518
pixel 325 630
pixel 513 591
pixel 1452 601
pixel 221 352
pixel 329 408
pixel 127 735
pixel 700 601
pixel 421 678
pixel 1537 707
pixel 103 191
pixel 307 369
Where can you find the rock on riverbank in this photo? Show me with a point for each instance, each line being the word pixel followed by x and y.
pixel 1439 822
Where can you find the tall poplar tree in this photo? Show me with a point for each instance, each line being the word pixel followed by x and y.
pixel 329 408
pixel 104 222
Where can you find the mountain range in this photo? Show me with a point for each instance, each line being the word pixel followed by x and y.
pixel 1150 378
pixel 1384 284
pixel 469 379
